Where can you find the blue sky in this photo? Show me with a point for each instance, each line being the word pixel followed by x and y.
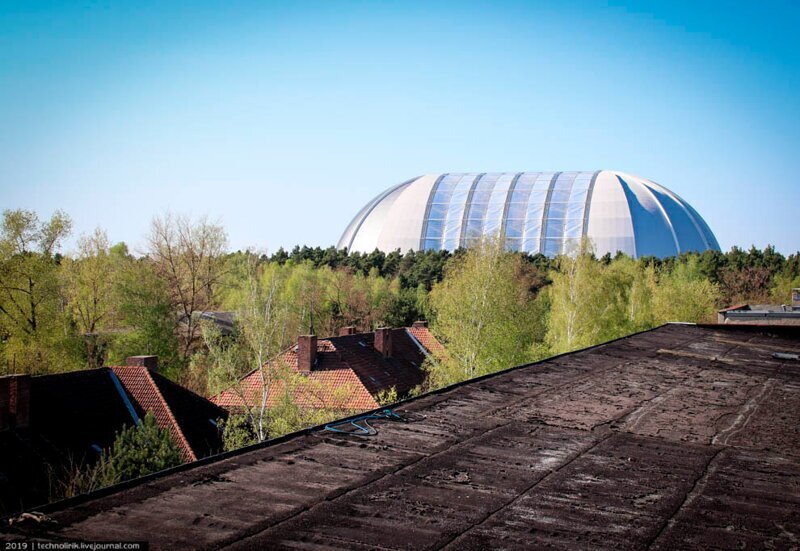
pixel 281 120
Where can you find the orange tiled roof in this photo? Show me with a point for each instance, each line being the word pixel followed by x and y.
pixel 426 339
pixel 140 385
pixel 349 372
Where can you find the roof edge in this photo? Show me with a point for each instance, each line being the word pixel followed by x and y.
pixel 103 492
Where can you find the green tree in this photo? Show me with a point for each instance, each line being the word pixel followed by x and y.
pixel 188 257
pixel 237 432
pixel 783 284
pixel 684 294
pixel 89 286
pixel 585 308
pixel 482 309
pixel 146 316
pixel 138 451
pixel 33 324
pixel 261 334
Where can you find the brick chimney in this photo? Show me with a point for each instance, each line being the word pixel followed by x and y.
pixel 349 330
pixel 383 341
pixel 15 401
pixel 796 299
pixel 420 323
pixel 150 362
pixel 306 353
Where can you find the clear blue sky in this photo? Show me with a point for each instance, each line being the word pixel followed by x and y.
pixel 281 120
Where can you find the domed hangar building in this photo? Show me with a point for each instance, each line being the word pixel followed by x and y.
pixel 536 212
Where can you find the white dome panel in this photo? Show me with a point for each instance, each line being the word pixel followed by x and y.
pixel 535 212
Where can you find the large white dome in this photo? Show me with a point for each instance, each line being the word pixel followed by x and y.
pixel 536 212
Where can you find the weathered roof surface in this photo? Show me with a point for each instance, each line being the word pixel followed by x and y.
pixel 348 364
pixel 682 437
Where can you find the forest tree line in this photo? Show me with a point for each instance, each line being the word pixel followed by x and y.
pixel 100 303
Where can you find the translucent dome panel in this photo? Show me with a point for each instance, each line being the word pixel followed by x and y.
pixel 535 212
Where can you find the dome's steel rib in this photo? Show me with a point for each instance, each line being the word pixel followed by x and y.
pixel 660 208
pixel 546 212
pixel 683 206
pixel 467 208
pixel 431 195
pixel 588 205
pixel 504 217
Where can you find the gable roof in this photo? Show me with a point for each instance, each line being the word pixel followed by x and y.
pixel 189 418
pixel 75 415
pixel 684 437
pixel 147 397
pixel 348 374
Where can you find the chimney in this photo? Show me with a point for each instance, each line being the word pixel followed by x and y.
pixel 796 299
pixel 15 401
pixel 383 341
pixel 306 353
pixel 419 323
pixel 349 330
pixel 150 362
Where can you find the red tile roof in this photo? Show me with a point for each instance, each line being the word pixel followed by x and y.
pixel 426 339
pixel 140 385
pixel 684 437
pixel 348 375
pixel 75 415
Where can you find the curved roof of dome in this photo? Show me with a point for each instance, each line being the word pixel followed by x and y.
pixel 534 211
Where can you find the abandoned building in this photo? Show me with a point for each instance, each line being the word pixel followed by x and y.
pixel 50 424
pixel 347 372
pixel 682 437
pixel 763 314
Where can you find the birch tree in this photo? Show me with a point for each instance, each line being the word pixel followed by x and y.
pixel 481 311
pixel 261 331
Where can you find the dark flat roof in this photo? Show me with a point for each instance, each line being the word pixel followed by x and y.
pixel 681 437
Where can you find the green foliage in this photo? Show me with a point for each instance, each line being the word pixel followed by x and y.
pixel 387 397
pixel 34 326
pixel 103 304
pixel 586 303
pixel 237 432
pixel 89 291
pixel 482 314
pixel 594 301
pixel 781 292
pixel 146 316
pixel 683 294
pixel 137 451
